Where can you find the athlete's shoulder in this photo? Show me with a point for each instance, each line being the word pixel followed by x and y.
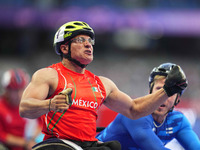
pixel 55 66
pixel 143 120
pixel 120 116
pixel 176 113
pixel 109 84
pixel 44 72
pixel 48 76
pixel 146 120
pixel 176 117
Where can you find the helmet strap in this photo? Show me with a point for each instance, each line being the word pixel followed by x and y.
pixel 175 103
pixel 151 88
pixel 68 56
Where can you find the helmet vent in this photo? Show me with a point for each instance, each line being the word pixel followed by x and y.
pixel 69 27
pixel 161 69
pixel 87 29
pixel 77 23
pixel 85 24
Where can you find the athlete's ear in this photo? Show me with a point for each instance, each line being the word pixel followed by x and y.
pixel 64 48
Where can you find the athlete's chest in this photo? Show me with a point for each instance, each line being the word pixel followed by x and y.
pixel 168 130
pixel 87 91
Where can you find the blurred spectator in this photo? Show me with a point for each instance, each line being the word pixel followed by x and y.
pixel 12 126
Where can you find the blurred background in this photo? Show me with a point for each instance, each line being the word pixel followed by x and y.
pixel 132 37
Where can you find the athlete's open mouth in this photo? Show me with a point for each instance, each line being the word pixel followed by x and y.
pixel 162 105
pixel 88 51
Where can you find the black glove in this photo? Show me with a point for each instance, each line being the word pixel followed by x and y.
pixel 175 82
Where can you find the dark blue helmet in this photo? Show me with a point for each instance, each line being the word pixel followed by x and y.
pixel 162 70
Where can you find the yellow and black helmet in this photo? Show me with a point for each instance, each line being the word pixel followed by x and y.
pixel 69 30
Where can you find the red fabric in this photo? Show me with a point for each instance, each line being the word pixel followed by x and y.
pixel 105 116
pixel 10 122
pixel 79 121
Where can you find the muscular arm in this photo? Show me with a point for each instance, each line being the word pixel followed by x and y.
pixel 33 103
pixel 132 108
pixel 142 134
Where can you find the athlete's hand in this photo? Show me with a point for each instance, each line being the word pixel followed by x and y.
pixel 175 82
pixel 29 144
pixel 61 102
pixel 67 93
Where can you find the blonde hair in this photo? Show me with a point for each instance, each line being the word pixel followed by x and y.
pixel 156 78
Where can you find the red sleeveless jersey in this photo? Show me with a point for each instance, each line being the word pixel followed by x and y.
pixel 79 121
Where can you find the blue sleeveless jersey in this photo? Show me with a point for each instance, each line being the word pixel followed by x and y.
pixel 145 135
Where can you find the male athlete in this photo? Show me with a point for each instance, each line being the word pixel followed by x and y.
pixel 75 120
pixel 153 132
